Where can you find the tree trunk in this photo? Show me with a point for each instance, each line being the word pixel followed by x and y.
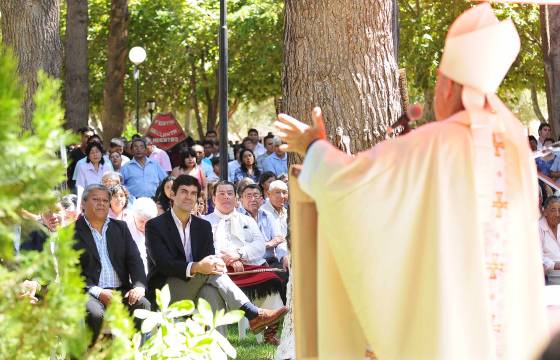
pixel 32 30
pixel 550 33
pixel 339 55
pixel 113 91
pixel 535 103
pixel 76 83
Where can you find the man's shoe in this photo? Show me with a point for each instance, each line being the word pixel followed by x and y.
pixel 267 318
pixel 270 335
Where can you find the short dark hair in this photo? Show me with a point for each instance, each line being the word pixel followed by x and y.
pixel 265 176
pixel 85 129
pixel 97 145
pixel 543 125
pixel 94 136
pixel 137 139
pixel 208 142
pixel 245 140
pixel 136 136
pixel 221 183
pixel 532 138
pixel 268 136
pixel 252 130
pixel 251 186
pixel 186 180
pixel 215 160
pixel 211 132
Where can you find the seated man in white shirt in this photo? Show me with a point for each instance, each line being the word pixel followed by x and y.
pixel 238 239
pixel 548 234
pixel 276 202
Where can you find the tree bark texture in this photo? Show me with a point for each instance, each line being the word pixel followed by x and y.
pixel 31 29
pixel 339 55
pixel 550 32
pixel 113 92
pixel 76 83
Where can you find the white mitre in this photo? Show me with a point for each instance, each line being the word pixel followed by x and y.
pixel 479 49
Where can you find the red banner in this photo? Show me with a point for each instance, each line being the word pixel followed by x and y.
pixel 165 131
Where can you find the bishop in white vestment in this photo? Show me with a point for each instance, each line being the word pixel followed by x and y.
pixel 432 248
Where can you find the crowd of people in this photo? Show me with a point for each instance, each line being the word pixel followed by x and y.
pixel 145 217
pixel 548 167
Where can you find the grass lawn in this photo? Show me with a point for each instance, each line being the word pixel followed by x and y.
pixel 248 349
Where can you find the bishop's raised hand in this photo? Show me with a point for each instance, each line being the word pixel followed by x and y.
pixel 299 136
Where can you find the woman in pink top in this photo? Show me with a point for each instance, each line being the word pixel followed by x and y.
pixel 190 167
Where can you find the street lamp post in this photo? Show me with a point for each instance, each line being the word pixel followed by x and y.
pixel 151 105
pixel 137 55
pixel 223 92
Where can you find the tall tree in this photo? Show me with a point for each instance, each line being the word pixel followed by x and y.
pixel 550 30
pixel 76 82
pixel 113 91
pixel 339 55
pixel 32 30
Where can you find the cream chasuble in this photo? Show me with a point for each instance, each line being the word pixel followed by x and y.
pixel 405 266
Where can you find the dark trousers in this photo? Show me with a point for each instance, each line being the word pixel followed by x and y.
pixel 95 311
pixel 284 276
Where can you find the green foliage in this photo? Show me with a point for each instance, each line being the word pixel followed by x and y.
pixel 121 344
pixel 178 35
pixel 424 24
pixel 193 338
pixel 29 173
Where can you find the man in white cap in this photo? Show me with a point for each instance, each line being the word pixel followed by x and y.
pixel 442 261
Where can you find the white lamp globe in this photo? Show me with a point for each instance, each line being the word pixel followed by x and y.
pixel 137 55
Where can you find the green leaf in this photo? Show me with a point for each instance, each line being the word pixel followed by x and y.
pixel 163 297
pixel 225 345
pixel 205 311
pixel 150 322
pixel 231 317
pixel 142 314
pixel 184 305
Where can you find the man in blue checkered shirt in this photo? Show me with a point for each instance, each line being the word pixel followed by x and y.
pixel 110 259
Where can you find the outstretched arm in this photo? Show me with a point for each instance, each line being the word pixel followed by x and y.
pixel 299 136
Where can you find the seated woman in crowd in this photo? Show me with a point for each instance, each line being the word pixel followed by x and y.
pixel 248 168
pixel 119 202
pixel 188 166
pixel 144 209
pixel 93 169
pixel 201 207
pixel 163 195
pixel 116 160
